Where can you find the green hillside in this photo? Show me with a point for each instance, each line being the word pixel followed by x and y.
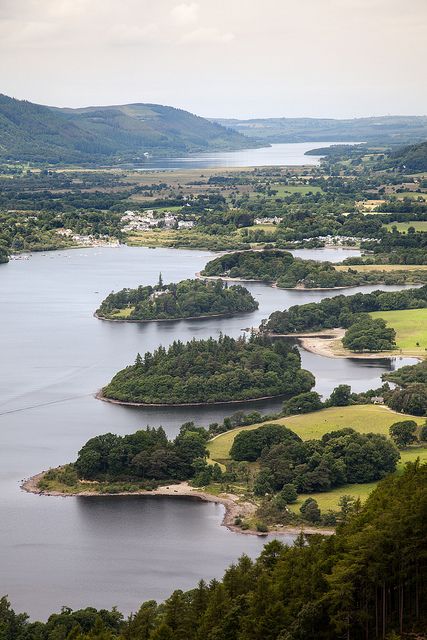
pixel 36 133
pixel 411 158
pixel 383 129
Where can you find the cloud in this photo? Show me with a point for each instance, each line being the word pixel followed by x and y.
pixel 207 35
pixel 128 35
pixel 185 13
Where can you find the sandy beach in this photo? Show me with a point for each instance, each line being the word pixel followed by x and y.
pixel 234 506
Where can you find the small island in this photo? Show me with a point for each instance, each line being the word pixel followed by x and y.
pixel 187 299
pixel 286 272
pixel 211 371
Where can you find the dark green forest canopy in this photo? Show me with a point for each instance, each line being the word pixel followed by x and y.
pixel 185 299
pixel 274 265
pixel 338 458
pixel 206 371
pixel 144 455
pixel 367 581
pixel 342 311
pixel 410 374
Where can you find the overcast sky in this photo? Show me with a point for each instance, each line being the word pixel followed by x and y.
pixel 225 58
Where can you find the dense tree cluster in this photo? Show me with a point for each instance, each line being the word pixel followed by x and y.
pixel 368 581
pixel 144 455
pixel 273 265
pixel 185 299
pixel 411 394
pixel 368 334
pixel 338 458
pixel 341 311
pixel 415 373
pixel 212 371
pixel 411 399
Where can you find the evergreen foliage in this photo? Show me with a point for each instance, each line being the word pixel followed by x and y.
pixel 205 371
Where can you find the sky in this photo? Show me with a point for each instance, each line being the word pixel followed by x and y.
pixel 219 58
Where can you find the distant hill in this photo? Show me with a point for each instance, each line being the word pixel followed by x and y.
pixel 385 129
pixel 412 158
pixel 37 133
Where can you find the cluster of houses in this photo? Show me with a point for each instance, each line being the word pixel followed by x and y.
pixel 340 240
pixel 275 220
pixel 150 219
pixel 88 241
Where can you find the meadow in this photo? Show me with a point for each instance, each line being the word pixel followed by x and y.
pixel 403 227
pixel 365 418
pixel 362 418
pixel 411 329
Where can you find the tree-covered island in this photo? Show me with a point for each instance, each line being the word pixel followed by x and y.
pixel 280 267
pixel 211 371
pixel 183 300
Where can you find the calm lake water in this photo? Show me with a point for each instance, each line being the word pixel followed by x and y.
pixel 290 154
pixel 110 551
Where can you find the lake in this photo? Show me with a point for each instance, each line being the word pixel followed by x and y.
pixel 111 551
pixel 290 154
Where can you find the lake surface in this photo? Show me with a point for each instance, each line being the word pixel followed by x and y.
pixel 110 551
pixel 290 154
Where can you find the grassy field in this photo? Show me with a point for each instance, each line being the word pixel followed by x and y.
pixel 286 190
pixel 411 194
pixel 330 499
pixel 403 227
pixel 123 313
pixel 363 418
pixel 410 326
pixel 383 267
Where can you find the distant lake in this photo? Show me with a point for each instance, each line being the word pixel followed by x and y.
pixel 113 551
pixel 291 154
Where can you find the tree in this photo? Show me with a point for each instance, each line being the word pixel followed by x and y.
pixel 262 484
pixel 289 493
pixel 310 510
pixel 423 433
pixel 403 433
pixel 303 403
pixel 340 396
pixel 412 399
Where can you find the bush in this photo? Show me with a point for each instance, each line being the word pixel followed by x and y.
pixel 261 527
pixel 310 510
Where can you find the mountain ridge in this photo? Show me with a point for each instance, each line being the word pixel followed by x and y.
pixel 112 133
pixel 393 130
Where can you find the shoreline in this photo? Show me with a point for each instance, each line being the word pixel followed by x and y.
pixel 274 285
pixel 233 508
pixel 328 344
pixel 100 396
pixel 203 317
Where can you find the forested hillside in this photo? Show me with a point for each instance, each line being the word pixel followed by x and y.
pixel 36 133
pixel 412 158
